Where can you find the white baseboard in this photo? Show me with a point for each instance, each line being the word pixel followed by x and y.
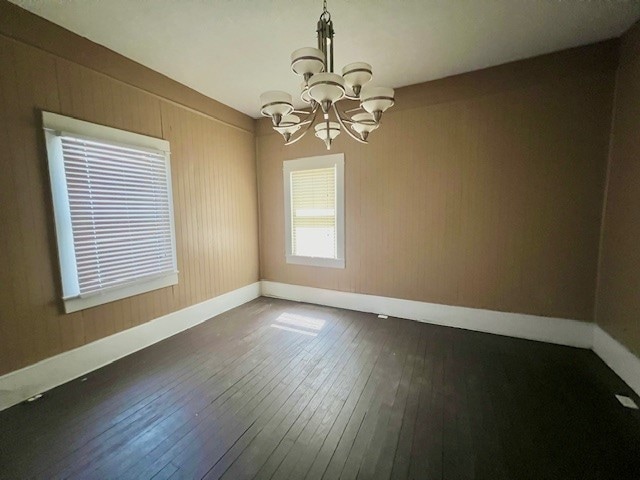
pixel 617 357
pixel 532 327
pixel 42 376
pixel 545 329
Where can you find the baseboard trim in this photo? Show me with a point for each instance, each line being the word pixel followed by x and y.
pixel 560 331
pixel 618 358
pixel 19 385
pixel 545 329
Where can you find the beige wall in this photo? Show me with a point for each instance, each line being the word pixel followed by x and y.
pixel 618 299
pixel 482 190
pixel 213 175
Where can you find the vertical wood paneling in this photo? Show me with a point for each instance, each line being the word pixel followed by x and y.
pixel 618 299
pixel 489 200
pixel 217 223
pixel 33 90
pixel 11 243
pixel 215 202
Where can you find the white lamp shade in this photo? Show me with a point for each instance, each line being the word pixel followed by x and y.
pixel 326 87
pixel 288 124
pixel 276 103
pixel 331 131
pixel 307 61
pixel 364 122
pixel 376 99
pixel 357 74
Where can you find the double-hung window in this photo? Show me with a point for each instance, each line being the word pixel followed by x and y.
pixel 314 210
pixel 113 211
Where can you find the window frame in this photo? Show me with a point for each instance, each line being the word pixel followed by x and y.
pixel 311 163
pixel 54 126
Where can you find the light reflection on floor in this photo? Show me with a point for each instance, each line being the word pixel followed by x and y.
pixel 299 324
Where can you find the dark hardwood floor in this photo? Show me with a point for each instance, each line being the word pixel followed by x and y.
pixel 277 389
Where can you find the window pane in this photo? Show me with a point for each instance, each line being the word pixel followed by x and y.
pixel 315 242
pixel 313 212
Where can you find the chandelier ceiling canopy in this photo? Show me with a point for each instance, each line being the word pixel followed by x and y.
pixel 322 89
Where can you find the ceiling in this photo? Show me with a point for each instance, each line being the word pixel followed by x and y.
pixel 233 50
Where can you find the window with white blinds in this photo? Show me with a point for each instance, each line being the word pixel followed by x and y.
pixel 314 210
pixel 113 208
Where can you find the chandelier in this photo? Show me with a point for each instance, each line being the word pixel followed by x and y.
pixel 322 89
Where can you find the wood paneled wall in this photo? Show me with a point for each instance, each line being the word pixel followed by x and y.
pixel 618 299
pixel 482 190
pixel 214 188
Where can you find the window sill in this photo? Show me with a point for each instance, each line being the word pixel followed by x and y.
pixel 99 298
pixel 316 261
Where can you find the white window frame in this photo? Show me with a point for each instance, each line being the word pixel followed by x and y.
pixel 310 163
pixel 54 126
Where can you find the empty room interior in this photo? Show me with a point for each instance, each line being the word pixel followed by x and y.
pixel 320 239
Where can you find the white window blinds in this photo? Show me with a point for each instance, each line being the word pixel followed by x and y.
pixel 314 211
pixel 313 215
pixel 113 211
pixel 120 212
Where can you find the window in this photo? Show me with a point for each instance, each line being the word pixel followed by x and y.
pixel 314 210
pixel 113 211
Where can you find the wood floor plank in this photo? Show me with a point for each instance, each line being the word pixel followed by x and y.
pixel 277 404
pixel 142 374
pixel 178 411
pixel 242 401
pixel 367 447
pixel 299 454
pixel 213 445
pixel 379 458
pixel 305 399
pixel 307 421
pixel 487 444
pixel 459 456
pixel 195 375
pixel 276 389
pixel 106 407
pixel 426 447
pixel 354 438
pixel 401 460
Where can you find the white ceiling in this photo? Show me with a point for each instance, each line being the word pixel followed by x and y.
pixel 233 50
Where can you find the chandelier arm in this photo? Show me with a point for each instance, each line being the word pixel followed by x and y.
pixel 304 131
pixel 342 119
pixel 302 112
pixel 353 109
pixel 344 126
